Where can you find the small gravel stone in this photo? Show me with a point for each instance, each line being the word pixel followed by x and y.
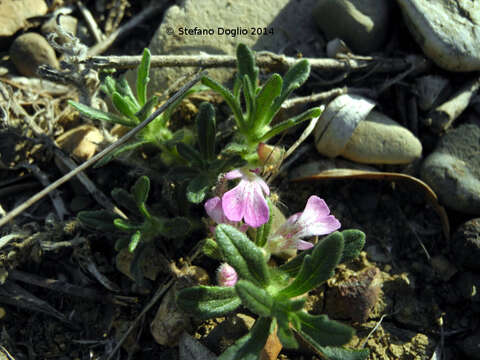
pixel 13 14
pixel 29 51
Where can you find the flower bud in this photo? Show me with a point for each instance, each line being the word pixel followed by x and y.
pixel 270 155
pixel 226 275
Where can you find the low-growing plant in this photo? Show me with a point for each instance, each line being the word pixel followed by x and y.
pixel 262 103
pixel 138 232
pixel 276 294
pixel 132 110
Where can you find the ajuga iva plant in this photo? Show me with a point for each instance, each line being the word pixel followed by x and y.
pixel 141 229
pixel 204 164
pixel 133 110
pixel 262 103
pixel 276 295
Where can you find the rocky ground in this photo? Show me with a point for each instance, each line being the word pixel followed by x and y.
pixel 395 154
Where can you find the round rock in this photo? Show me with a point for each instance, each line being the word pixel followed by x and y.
pixel 381 140
pixel 465 245
pixel 453 169
pixel 362 24
pixel 29 51
pixel 14 13
pixel 447 30
pixel 218 26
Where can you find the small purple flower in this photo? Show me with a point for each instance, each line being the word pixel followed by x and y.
pixel 226 275
pixel 314 220
pixel 246 200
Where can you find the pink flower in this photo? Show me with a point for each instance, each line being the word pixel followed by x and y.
pixel 314 220
pixel 213 207
pixel 246 200
pixel 226 275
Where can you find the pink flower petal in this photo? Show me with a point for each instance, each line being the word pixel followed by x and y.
pixel 325 226
pixel 234 174
pixel 315 210
pixel 213 207
pixel 304 245
pixel 234 202
pixel 256 207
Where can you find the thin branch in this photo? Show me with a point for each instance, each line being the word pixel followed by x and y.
pixel 91 23
pixel 18 210
pixel 263 59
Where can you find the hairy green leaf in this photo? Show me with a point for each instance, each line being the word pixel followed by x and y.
pixel 140 192
pixel 206 302
pixel 176 227
pixel 229 99
pixel 125 199
pixel 206 130
pixel 317 267
pixel 123 87
pixel 264 100
pixel 284 125
pixel 292 80
pixel 198 187
pixel 249 346
pixel 190 154
pixel 354 242
pixel 96 114
pixel 321 331
pixel 246 65
pixel 143 77
pixel 124 106
pixel 256 299
pixel 242 254
pixel 125 225
pixel 147 109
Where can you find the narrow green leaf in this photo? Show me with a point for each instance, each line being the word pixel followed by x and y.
pixel 249 96
pixel 96 114
pixel 354 242
pixel 321 331
pixel 249 346
pixel 124 106
pixel 246 65
pixel 147 109
pixel 198 187
pixel 206 302
pixel 142 77
pixel 123 87
pixel 284 125
pixel 98 220
pixel 256 299
pixel 108 86
pixel 229 98
pixel 285 334
pixel 191 155
pixel 264 100
pixel 134 241
pixel 317 267
pixel 292 80
pixel 140 192
pixel 242 254
pixel 125 225
pixel 206 130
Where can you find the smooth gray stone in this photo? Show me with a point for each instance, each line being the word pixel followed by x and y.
pixel 453 169
pixel 448 31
